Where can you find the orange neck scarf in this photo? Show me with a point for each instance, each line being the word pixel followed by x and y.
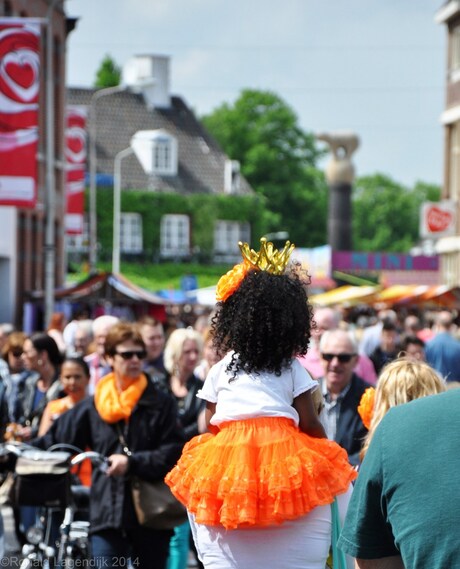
pixel 113 405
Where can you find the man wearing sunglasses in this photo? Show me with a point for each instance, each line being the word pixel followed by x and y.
pixel 342 390
pixel 327 318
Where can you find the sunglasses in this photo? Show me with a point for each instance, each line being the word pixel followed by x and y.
pixel 343 358
pixel 16 353
pixel 129 354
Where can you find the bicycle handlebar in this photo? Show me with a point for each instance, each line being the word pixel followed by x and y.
pixel 96 458
pixel 15 448
pixel 20 448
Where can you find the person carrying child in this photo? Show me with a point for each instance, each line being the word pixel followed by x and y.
pixel 258 487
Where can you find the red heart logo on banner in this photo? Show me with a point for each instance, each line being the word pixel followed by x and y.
pixel 19 77
pixel 75 144
pixel 21 74
pixel 75 150
pixel 438 220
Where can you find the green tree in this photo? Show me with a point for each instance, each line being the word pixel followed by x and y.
pixel 108 74
pixel 427 192
pixel 386 214
pixel 278 159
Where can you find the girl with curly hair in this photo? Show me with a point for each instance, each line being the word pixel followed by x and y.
pixel 265 472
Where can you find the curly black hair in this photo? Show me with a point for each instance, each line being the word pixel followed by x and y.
pixel 267 321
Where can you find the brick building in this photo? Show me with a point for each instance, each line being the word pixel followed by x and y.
pixel 23 241
pixel 449 247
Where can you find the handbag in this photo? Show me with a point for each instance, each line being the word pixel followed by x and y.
pixel 339 560
pixel 7 490
pixel 43 479
pixel 154 503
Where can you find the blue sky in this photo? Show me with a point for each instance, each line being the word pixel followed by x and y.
pixel 375 67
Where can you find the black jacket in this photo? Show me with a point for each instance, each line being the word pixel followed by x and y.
pixel 350 429
pixel 153 435
pixel 28 415
pixel 190 407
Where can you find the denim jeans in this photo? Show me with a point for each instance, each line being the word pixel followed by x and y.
pixel 179 547
pixel 146 548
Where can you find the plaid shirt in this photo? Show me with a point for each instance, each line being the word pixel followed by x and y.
pixel 331 411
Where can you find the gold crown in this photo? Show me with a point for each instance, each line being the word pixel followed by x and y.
pixel 269 258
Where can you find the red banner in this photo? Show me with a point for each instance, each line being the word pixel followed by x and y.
pixel 75 155
pixel 19 93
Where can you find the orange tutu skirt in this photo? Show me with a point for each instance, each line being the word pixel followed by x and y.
pixel 258 472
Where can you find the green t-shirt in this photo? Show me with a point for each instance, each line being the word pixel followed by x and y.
pixel 406 500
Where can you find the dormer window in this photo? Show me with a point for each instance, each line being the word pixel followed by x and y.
pixel 156 151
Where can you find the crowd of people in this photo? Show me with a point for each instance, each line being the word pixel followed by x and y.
pixel 77 373
pixel 259 420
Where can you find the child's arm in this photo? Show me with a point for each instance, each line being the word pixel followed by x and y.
pixel 209 412
pixel 308 418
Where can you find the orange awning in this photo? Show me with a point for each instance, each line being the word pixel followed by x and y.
pixel 345 295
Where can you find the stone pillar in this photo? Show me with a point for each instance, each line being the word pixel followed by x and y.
pixel 340 174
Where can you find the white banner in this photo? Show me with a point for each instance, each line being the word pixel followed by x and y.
pixel 438 219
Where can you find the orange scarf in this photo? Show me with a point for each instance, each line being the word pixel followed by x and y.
pixel 113 405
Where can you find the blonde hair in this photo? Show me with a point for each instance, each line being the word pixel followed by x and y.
pixel 401 381
pixel 175 345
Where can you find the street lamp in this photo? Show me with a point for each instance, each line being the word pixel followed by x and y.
pixel 117 207
pixel 92 172
pixel 50 193
pixel 142 145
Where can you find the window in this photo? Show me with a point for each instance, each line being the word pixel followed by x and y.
pixel 164 159
pixel 454 54
pixel 454 162
pixel 175 236
pixel 226 237
pixel 232 182
pixel 131 233
pixel 162 155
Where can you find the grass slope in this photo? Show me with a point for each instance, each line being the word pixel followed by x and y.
pixel 160 276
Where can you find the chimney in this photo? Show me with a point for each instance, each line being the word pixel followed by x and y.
pixel 149 75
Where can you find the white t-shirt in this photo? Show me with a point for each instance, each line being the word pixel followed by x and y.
pixel 254 395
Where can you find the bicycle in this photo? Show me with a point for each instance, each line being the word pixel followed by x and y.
pixel 74 534
pixel 71 545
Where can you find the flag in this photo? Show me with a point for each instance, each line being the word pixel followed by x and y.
pixel 75 158
pixel 19 96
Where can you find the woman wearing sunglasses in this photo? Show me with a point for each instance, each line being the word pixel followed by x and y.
pixel 127 410
pixel 181 356
pixel 16 375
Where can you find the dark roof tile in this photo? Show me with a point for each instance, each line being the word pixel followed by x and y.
pixel 120 115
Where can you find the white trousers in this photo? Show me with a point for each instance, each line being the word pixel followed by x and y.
pixel 298 544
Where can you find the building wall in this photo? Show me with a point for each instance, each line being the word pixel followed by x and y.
pixel 449 247
pixel 8 248
pixel 29 230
